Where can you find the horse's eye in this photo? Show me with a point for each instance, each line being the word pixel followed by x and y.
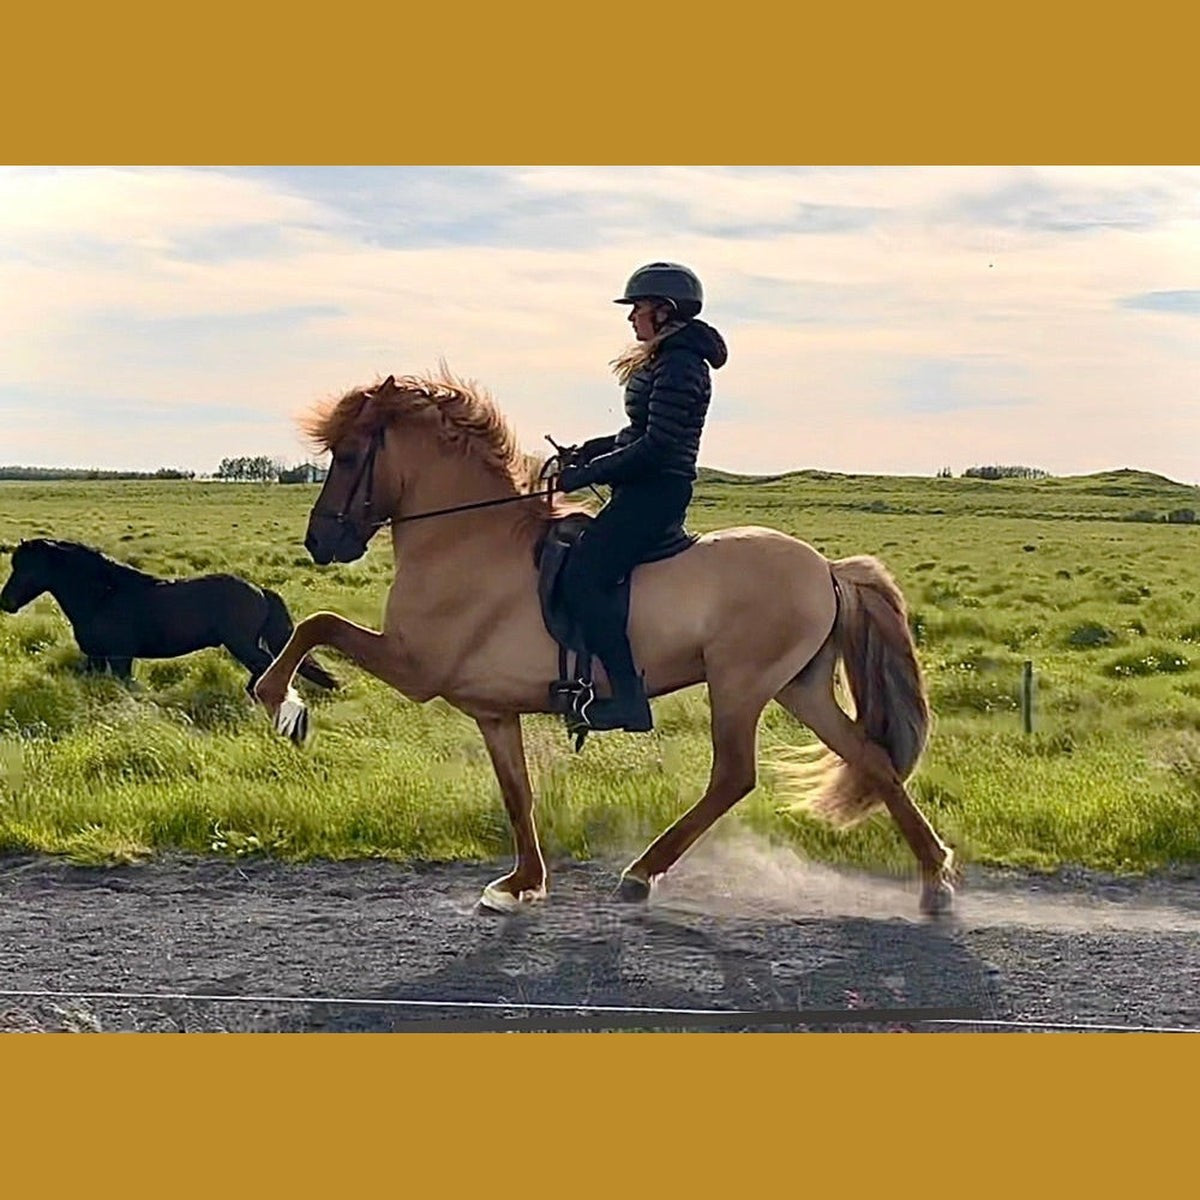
pixel 345 459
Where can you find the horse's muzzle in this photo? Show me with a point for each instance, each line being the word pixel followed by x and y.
pixel 333 541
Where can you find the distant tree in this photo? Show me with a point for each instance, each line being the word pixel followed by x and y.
pixel 260 468
pixel 945 473
pixel 263 469
pixel 51 473
pixel 996 472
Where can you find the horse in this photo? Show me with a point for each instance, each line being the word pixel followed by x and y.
pixel 751 612
pixel 119 613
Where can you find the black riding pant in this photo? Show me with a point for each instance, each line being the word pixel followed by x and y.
pixel 634 520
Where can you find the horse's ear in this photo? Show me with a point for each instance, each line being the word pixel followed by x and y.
pixel 380 389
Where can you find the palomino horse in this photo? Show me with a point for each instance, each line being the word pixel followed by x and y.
pixel 755 614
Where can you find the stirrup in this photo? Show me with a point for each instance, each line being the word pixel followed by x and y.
pixel 578 725
pixel 571 699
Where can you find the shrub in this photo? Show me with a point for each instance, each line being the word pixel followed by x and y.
pixel 1158 660
pixel 1090 634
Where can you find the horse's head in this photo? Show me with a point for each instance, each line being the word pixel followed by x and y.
pixel 32 574
pixel 358 496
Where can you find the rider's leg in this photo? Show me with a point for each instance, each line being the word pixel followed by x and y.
pixel 603 618
pixel 624 530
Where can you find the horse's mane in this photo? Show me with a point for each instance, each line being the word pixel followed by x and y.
pixel 95 562
pixel 467 416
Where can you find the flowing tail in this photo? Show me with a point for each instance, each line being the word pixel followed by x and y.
pixel 276 630
pixel 879 661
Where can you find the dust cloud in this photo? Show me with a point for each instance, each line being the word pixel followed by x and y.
pixel 737 873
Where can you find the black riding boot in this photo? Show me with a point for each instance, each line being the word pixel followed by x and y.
pixel 628 708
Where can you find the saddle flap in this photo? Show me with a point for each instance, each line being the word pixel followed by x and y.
pixel 551 554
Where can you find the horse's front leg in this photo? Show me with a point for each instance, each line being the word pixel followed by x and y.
pixel 381 655
pixel 526 882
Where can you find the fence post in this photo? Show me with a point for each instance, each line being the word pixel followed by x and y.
pixel 1027 696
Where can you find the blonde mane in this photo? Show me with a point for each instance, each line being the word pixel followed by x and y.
pixel 468 417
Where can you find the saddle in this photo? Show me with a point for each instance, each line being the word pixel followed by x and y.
pixel 573 690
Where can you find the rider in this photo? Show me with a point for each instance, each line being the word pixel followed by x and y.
pixel 651 466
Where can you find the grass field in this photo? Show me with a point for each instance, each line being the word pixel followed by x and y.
pixel 1083 576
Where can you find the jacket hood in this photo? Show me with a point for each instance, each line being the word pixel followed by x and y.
pixel 704 339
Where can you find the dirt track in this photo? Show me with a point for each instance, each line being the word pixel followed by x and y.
pixel 741 926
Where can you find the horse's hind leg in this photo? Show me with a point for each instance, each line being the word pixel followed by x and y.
pixel 253 657
pixel 735 714
pixel 810 699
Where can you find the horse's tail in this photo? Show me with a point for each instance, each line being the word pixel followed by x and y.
pixel 879 660
pixel 276 630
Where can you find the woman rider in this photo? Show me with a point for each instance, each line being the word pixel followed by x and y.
pixel 650 465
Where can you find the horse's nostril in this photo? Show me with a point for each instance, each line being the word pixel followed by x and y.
pixel 316 550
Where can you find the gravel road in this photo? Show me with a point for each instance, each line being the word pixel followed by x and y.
pixel 740 926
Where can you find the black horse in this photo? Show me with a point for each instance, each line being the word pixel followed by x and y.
pixel 119 613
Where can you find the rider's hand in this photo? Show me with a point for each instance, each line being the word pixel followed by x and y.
pixel 574 478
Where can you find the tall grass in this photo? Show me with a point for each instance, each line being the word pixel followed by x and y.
pixel 996 572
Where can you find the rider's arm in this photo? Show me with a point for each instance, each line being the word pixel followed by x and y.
pixel 673 395
pixel 594 447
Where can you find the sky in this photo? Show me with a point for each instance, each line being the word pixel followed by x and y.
pixel 892 320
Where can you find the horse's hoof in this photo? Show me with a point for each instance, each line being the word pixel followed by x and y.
pixel 633 890
pixel 937 899
pixel 291 718
pixel 498 899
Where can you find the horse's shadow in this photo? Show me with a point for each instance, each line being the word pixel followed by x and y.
pixel 778 970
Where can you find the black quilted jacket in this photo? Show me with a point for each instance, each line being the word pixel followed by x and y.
pixel 666 401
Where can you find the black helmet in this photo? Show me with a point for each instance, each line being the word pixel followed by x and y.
pixel 670 281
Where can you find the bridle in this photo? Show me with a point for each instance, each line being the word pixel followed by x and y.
pixel 366 470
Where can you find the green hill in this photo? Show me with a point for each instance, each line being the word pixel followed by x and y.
pixel 1122 495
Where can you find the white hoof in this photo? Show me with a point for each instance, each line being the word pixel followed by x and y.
pixel 291 719
pixel 497 899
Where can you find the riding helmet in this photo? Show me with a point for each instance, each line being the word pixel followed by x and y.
pixel 666 281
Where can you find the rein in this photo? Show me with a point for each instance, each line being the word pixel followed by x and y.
pixel 551 488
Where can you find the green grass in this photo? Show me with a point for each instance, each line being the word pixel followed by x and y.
pixel 995 572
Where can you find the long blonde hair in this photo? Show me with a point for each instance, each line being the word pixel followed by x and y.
pixel 640 353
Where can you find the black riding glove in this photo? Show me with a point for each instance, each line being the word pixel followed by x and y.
pixel 573 478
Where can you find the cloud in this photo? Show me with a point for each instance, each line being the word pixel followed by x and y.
pixel 963 383
pixel 876 317
pixel 1076 200
pixel 1186 301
